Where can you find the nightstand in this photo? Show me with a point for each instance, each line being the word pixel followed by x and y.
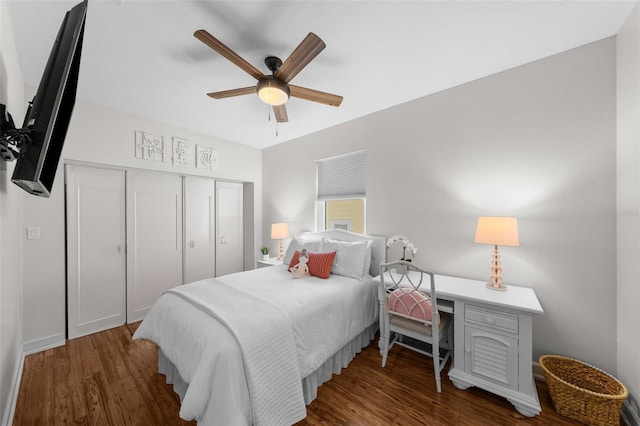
pixel 271 262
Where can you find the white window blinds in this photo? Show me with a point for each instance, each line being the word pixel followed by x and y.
pixel 341 177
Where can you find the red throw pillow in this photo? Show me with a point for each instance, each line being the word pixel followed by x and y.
pixel 319 263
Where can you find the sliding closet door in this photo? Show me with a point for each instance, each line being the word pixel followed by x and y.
pixel 199 228
pixel 96 264
pixel 154 239
pixel 229 228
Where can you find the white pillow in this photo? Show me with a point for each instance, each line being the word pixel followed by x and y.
pixel 353 258
pixel 298 243
pixel 367 260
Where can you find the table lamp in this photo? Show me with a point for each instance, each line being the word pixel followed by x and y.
pixel 278 232
pixel 498 231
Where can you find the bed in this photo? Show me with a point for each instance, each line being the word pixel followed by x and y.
pixel 253 347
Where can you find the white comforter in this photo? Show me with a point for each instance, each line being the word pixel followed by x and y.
pixel 325 315
pixel 269 353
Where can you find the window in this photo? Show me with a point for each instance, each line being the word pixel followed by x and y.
pixel 345 214
pixel 342 194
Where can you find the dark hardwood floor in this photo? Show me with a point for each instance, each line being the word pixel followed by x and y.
pixel 108 379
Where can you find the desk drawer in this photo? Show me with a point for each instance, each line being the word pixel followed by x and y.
pixel 491 318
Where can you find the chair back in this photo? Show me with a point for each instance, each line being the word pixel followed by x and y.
pixel 411 292
pixel 409 277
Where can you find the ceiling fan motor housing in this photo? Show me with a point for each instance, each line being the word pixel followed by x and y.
pixel 273 63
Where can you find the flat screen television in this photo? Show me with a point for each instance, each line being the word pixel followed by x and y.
pixel 48 115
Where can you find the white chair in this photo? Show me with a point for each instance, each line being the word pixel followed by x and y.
pixel 409 308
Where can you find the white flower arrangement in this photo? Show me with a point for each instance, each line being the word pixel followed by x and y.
pixel 407 245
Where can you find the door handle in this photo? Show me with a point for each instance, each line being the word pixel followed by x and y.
pixel 191 243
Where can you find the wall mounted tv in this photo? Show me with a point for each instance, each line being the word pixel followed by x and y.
pixel 37 146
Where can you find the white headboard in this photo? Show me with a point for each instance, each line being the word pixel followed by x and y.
pixel 378 245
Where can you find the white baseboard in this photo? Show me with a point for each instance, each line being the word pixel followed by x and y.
pixel 630 413
pixel 12 399
pixel 537 371
pixel 43 343
pixel 30 347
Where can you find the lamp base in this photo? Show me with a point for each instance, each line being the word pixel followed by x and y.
pixel 496 270
pixel 497 287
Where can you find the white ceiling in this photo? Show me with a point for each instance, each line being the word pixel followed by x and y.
pixel 141 57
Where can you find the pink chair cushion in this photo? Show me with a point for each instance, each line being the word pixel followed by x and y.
pixel 411 303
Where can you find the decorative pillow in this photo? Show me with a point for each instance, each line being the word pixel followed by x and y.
pixel 297 244
pixel 353 258
pixel 319 263
pixel 410 303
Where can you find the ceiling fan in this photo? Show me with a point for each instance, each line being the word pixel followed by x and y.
pixel 274 89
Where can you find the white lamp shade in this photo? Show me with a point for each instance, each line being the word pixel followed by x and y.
pixel 279 231
pixel 499 231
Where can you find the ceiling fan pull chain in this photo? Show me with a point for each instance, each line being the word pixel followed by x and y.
pixel 269 101
pixel 269 104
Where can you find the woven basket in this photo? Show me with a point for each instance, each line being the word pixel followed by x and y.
pixel 583 392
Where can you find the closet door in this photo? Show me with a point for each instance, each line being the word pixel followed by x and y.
pixel 199 228
pixel 96 264
pixel 154 239
pixel 229 225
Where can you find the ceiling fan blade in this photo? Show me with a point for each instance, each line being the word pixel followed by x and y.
pixel 233 92
pixel 232 56
pixel 315 95
pixel 300 57
pixel 281 113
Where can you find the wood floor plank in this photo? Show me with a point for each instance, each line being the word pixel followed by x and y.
pixel 109 379
pixel 36 376
pixel 98 411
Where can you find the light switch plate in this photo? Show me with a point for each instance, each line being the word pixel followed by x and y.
pixel 33 233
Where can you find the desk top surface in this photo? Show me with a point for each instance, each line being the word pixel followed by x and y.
pixel 515 297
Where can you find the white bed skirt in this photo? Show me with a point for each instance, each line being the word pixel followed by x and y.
pixel 310 384
pixel 336 363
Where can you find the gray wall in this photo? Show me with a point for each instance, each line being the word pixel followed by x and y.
pixel 628 212
pixel 12 95
pixel 537 142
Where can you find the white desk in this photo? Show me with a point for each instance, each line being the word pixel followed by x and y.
pixel 493 339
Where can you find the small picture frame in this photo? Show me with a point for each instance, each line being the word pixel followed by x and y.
pixel 151 147
pixel 206 158
pixel 182 152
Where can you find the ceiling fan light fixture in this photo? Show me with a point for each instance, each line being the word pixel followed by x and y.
pixel 273 91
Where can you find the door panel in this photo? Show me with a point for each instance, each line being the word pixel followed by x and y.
pixel 154 238
pixel 96 263
pixel 492 356
pixel 229 228
pixel 199 228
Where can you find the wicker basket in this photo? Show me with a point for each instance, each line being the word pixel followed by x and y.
pixel 583 392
